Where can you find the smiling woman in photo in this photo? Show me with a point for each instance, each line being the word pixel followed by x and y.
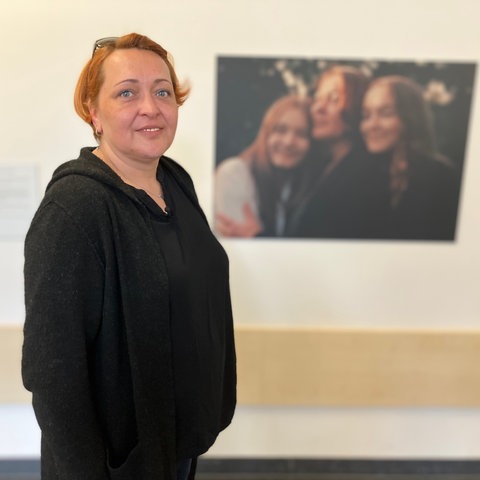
pixel 420 187
pixel 257 192
pixel 338 202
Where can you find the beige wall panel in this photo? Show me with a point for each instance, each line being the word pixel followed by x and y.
pixel 353 368
pixel 11 388
pixel 320 367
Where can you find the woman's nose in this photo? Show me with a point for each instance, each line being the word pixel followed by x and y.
pixel 288 138
pixel 317 105
pixel 149 105
pixel 370 122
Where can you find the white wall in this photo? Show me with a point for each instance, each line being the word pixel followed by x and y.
pixel 43 46
pixel 306 432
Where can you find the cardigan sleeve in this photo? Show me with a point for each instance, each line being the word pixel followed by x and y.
pixel 63 298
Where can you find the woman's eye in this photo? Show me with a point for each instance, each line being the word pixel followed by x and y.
pixel 280 129
pixel 163 93
pixel 333 97
pixel 125 93
pixel 388 112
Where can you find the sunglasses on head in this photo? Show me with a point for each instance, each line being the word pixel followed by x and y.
pixel 103 42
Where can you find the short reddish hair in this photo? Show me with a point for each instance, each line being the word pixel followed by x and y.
pixel 356 83
pixel 91 78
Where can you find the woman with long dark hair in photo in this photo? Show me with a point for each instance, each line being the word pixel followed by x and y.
pixel 419 187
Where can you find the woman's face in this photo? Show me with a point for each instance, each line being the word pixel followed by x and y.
pixel 381 126
pixel 327 107
pixel 136 110
pixel 288 142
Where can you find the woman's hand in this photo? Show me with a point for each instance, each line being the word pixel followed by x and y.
pixel 227 227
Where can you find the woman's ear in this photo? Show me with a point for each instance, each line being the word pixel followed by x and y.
pixel 97 126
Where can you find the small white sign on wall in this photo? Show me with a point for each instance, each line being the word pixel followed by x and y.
pixel 18 200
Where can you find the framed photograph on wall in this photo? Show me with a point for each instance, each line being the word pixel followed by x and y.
pixel 340 149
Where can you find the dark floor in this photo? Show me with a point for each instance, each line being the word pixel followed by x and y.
pixel 296 469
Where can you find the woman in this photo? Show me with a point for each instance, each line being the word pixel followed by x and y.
pixel 420 188
pixel 338 206
pixel 256 192
pixel 128 347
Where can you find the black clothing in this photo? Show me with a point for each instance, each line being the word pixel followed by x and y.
pixel 341 203
pixel 196 276
pixel 281 191
pixel 428 208
pixel 353 201
pixel 102 332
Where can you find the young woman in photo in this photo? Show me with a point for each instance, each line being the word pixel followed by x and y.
pixel 418 186
pixel 257 192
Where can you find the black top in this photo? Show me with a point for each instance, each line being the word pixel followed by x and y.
pixel 427 209
pixel 280 191
pixel 195 264
pixel 340 204
pixel 353 201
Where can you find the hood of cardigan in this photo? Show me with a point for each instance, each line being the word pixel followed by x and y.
pixel 89 165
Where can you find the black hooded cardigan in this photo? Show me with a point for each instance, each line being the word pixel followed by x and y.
pixel 97 352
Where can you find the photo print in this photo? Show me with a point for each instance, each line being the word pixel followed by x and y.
pixel 340 149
